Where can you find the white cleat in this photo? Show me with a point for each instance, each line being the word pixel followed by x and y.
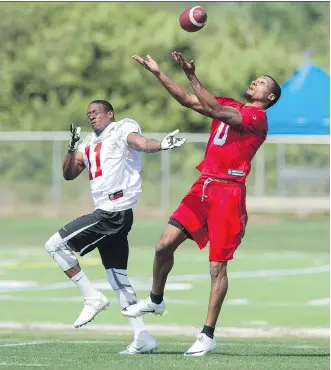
pixel 145 343
pixel 143 307
pixel 201 346
pixel 92 306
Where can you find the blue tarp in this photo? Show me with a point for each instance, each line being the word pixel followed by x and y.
pixel 304 107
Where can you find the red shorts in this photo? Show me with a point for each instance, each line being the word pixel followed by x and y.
pixel 216 212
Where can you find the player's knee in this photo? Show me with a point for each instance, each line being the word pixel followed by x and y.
pixel 218 270
pixel 60 252
pixel 163 248
pixel 167 244
pixel 53 244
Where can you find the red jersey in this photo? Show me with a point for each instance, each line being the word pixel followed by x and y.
pixel 229 151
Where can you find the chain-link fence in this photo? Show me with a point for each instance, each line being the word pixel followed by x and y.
pixel 284 175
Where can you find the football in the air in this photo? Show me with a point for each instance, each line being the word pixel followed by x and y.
pixel 193 19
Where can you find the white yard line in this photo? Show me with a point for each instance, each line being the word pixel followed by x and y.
pixel 176 330
pixel 80 299
pixel 21 344
pixel 10 286
pixel 25 365
pixel 9 262
pixel 24 252
pixel 318 303
pixel 143 283
pixel 223 344
pixel 257 274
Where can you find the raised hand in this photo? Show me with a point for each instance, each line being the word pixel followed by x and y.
pixel 171 142
pixel 149 63
pixel 187 67
pixel 74 138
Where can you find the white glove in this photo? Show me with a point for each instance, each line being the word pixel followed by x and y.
pixel 75 136
pixel 171 142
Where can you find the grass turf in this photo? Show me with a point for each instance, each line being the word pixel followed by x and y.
pixel 86 351
pixel 276 280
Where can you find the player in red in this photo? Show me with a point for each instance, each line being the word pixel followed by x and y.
pixel 214 209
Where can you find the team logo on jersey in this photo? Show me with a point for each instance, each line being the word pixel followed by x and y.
pixel 254 118
pixel 116 195
pixel 235 172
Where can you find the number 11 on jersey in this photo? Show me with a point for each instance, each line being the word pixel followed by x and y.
pixel 94 161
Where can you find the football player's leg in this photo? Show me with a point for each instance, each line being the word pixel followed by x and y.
pixel 78 234
pixel 63 255
pixel 165 248
pixel 114 255
pixel 171 238
pixel 226 224
pixel 205 341
pixel 226 228
pixel 188 221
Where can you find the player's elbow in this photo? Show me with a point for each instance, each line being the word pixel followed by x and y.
pixel 185 103
pixel 212 113
pixel 68 176
pixel 70 173
pixel 188 102
pixel 138 147
pixel 185 100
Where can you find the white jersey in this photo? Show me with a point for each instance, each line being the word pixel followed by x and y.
pixel 114 168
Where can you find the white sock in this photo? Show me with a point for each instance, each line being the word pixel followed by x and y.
pixel 119 281
pixel 84 285
pixel 138 325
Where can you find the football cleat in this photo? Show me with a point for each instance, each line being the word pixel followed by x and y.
pixel 201 346
pixel 144 343
pixel 92 306
pixel 144 307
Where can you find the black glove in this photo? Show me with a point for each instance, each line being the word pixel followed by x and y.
pixel 75 136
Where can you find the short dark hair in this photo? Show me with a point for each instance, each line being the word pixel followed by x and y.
pixel 105 103
pixel 276 90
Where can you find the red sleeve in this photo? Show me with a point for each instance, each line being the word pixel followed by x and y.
pixel 254 121
pixel 223 100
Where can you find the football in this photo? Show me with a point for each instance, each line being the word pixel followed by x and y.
pixel 193 19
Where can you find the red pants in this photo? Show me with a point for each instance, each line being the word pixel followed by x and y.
pixel 216 212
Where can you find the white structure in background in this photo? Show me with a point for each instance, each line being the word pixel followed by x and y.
pixel 257 202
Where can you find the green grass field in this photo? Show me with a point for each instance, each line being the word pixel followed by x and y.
pixel 86 351
pixel 278 300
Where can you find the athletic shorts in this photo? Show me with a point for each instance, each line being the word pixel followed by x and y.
pixel 107 231
pixel 214 211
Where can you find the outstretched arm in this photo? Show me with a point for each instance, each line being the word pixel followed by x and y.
pixel 213 109
pixel 175 90
pixel 148 145
pixel 211 106
pixel 142 144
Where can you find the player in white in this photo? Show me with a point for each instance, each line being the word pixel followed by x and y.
pixel 111 155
